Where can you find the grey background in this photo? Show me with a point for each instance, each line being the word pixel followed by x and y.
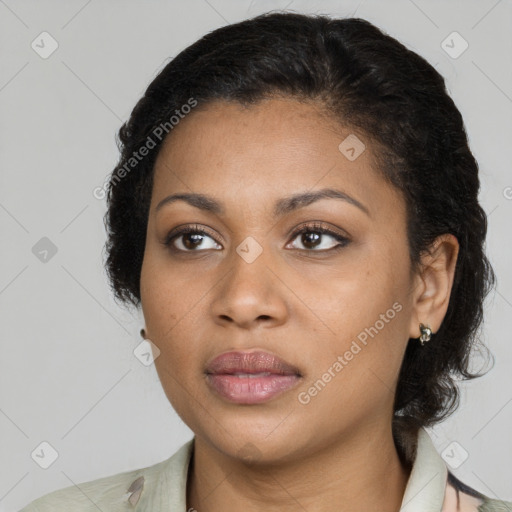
pixel 68 375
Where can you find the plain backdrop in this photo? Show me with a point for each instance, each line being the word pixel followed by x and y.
pixel 68 374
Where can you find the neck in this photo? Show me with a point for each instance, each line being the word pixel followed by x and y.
pixel 359 473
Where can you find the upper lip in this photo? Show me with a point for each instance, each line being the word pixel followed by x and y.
pixel 250 362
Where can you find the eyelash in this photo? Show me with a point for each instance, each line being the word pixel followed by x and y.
pixel 309 228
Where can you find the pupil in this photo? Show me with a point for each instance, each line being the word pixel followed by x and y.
pixel 310 238
pixel 198 239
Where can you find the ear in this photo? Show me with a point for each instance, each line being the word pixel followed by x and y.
pixel 432 285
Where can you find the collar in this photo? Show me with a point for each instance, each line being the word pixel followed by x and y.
pixel 425 490
pixel 426 486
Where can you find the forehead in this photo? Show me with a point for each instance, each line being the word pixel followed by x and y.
pixel 223 127
pixel 274 148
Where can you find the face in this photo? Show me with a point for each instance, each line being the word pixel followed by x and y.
pixel 322 283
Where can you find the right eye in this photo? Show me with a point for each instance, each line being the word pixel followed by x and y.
pixel 189 239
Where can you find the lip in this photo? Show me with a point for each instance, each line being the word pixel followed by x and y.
pixel 250 362
pixel 250 377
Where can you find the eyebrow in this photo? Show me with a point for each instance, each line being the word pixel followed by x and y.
pixel 282 206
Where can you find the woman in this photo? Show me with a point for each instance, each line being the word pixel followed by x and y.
pixel 295 210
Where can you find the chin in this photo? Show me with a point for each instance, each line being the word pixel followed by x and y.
pixel 256 440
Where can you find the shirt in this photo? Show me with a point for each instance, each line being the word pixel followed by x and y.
pixel 162 487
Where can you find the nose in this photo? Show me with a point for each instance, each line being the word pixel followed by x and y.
pixel 250 295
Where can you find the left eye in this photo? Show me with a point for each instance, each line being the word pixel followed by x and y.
pixel 312 238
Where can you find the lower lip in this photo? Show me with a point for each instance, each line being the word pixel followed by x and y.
pixel 251 390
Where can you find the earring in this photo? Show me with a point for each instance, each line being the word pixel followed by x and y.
pixel 143 334
pixel 426 334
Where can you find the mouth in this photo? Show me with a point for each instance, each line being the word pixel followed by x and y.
pixel 250 377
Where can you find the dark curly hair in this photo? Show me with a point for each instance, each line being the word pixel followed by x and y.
pixel 366 80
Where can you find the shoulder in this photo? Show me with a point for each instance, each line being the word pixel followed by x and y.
pixel 119 492
pixel 462 497
pixel 489 505
pixel 432 486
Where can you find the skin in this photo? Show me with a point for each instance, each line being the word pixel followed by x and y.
pixel 302 302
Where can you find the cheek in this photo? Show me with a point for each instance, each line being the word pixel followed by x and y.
pixel 366 312
pixel 356 370
pixel 173 308
pixel 351 296
pixel 163 299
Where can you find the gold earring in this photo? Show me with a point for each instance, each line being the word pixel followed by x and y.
pixel 426 334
